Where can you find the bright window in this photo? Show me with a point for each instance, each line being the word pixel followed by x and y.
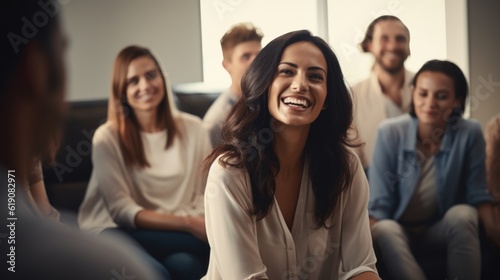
pixel 273 17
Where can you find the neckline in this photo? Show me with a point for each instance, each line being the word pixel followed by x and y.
pixel 163 131
pixel 300 208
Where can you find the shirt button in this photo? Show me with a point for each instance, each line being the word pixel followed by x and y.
pixel 290 247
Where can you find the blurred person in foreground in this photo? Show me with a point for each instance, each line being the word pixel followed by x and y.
pixel 32 90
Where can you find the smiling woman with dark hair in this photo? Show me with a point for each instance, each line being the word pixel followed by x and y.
pixel 285 195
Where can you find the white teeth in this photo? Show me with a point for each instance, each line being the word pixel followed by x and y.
pixel 144 96
pixel 392 55
pixel 296 101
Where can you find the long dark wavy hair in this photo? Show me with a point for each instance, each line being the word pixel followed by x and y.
pixel 248 132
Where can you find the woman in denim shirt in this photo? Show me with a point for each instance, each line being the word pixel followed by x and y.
pixel 428 180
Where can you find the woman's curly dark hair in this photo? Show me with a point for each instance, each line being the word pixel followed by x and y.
pixel 249 129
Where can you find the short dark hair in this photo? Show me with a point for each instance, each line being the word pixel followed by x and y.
pixel 24 22
pixel 451 70
pixel 369 31
pixel 326 150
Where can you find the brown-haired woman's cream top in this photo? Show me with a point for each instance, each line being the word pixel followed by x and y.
pixel 172 184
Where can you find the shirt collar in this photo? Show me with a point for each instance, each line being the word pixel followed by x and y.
pixel 405 88
pixel 449 135
pixel 411 144
pixel 450 132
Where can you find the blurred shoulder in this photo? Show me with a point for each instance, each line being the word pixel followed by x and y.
pixel 222 169
pixel 228 179
pixel 398 123
pixel 105 133
pixel 494 123
pixel 55 246
pixel 188 123
pixel 493 127
pixel 188 119
pixel 361 86
pixel 470 124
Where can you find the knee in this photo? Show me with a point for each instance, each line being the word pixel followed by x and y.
pixel 386 229
pixel 182 261
pixel 461 218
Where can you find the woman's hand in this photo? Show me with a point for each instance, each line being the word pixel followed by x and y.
pixel 493 230
pixel 54 214
pixel 196 226
pixel 494 235
pixel 372 222
pixel 147 219
pixel 490 217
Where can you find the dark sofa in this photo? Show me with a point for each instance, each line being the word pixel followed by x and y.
pixel 66 181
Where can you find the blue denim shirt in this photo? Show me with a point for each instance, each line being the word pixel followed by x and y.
pixel 395 171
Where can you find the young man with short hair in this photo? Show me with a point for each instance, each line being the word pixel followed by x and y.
pixel 240 45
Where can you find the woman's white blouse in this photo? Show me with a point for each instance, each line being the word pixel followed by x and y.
pixel 244 249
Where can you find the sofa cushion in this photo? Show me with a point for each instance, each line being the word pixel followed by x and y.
pixel 67 179
pixel 196 98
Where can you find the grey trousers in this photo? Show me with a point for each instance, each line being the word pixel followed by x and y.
pixel 456 232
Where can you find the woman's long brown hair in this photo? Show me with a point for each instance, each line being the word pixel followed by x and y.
pixel 122 115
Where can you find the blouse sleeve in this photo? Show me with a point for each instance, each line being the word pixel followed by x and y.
pixel 357 255
pixel 204 148
pixel 231 230
pixel 383 175
pixel 111 174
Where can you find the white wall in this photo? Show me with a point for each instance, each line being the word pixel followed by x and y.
pixel 98 30
pixel 273 17
pixel 484 44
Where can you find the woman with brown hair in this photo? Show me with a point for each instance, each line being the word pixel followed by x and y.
pixel 286 198
pixel 146 159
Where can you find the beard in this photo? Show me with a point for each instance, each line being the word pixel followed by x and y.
pixel 392 68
